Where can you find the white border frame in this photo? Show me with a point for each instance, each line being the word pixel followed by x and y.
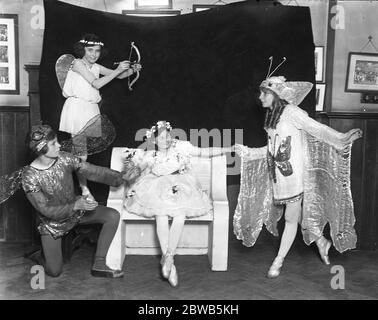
pixel 352 60
pixel 320 90
pixel 13 87
pixel 319 66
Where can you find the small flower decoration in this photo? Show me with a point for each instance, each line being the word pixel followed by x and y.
pixel 133 157
pixel 129 154
pixel 157 126
pixel 130 193
pixel 175 189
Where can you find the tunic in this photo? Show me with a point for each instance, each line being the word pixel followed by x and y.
pixel 51 191
pixel 82 101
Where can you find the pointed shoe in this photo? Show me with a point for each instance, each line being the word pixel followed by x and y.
pixel 275 268
pixel 323 246
pixel 106 273
pixel 173 277
pixel 167 265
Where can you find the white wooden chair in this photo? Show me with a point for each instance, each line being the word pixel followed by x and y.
pixel 202 235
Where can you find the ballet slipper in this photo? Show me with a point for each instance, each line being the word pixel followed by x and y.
pixel 323 246
pixel 275 269
pixel 167 260
pixel 173 277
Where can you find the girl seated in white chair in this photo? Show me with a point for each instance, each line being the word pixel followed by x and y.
pixel 167 188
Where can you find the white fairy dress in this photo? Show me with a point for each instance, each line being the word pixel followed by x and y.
pixel 167 186
pixel 82 101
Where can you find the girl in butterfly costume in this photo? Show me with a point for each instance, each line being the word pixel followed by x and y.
pixel 167 188
pixel 304 167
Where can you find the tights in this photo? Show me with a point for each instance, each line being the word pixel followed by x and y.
pixel 52 249
pixel 169 237
pixel 292 217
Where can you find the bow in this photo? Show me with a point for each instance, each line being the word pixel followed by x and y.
pixel 133 46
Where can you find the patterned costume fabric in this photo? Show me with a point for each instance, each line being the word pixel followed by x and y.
pixel 166 186
pixel 86 142
pixel 51 191
pixel 313 162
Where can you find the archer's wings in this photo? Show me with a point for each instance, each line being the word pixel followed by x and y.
pixel 9 184
pixel 96 136
pixel 62 66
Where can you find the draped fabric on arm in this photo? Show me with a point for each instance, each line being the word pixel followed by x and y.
pixel 255 202
pixel 327 191
pixel 302 121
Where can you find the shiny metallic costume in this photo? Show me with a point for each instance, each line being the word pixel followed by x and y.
pixel 51 191
pixel 327 195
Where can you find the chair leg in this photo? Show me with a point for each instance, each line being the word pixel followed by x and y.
pixel 116 252
pixel 218 248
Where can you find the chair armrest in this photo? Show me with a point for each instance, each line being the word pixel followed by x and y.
pixel 116 163
pixel 219 178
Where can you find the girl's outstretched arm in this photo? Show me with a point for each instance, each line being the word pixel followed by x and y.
pixel 210 152
pixel 251 153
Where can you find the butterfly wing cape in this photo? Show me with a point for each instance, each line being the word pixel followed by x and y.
pixel 327 197
pixel 9 184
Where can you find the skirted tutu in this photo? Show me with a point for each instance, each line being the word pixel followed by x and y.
pixel 171 195
pixel 76 113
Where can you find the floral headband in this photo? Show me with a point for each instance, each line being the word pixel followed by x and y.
pixel 92 43
pixel 159 125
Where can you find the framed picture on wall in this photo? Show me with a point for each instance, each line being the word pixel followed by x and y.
pixel 319 64
pixel 362 72
pixel 9 68
pixel 320 94
pixel 153 4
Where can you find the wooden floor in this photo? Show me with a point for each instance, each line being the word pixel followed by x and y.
pixel 303 276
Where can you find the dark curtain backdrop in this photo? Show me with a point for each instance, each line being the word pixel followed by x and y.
pixel 200 70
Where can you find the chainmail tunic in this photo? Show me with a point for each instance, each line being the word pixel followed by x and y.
pixel 51 191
